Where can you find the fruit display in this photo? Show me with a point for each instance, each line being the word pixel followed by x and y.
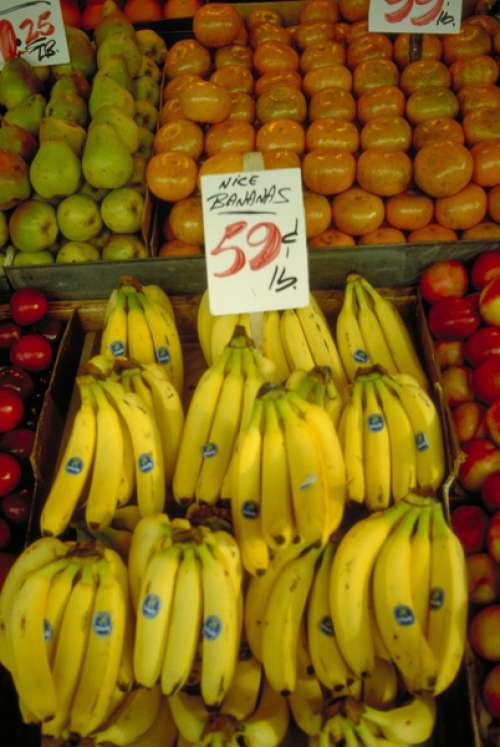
pixel 89 13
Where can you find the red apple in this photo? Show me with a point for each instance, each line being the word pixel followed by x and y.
pixel 491 691
pixel 92 14
pixel 493 537
pixel 489 303
pixel 456 383
pixel 11 409
pixel 7 560
pixel 19 442
pixel 446 279
pixel 9 333
pixel 482 344
pixel 10 474
pixel 483 576
pixel 4 534
pixel 490 492
pixel 485 380
pixel 27 306
pixel 492 421
pixel 16 507
pixel 482 458
pixel 484 633
pixel 449 353
pixel 485 268
pixel 18 380
pixel 468 419
pixel 470 524
pixel 71 13
pixel 454 318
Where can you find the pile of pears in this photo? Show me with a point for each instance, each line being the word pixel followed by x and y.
pixel 75 140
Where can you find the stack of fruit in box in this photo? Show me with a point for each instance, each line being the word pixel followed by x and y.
pixel 391 150
pixel 74 143
pixel 137 11
pixel 306 570
pixel 466 328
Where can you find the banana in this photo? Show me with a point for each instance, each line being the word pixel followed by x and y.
pixel 140 340
pixel 297 351
pixel 204 328
pixel 73 470
pixel 141 389
pixel 350 586
pixel 333 400
pixel 284 612
pixel 278 523
pixel 396 334
pixel 125 678
pixel 147 534
pixel 372 333
pixel 154 614
pixel 401 440
pixel 447 628
pixel 269 724
pixel 307 703
pixel 127 517
pixel 157 295
pixel 221 630
pixel 350 738
pixel 169 414
pixel 351 430
pixel 190 715
pixel 420 568
pixel 337 368
pixel 411 723
pixel 184 625
pixel 133 719
pixel 380 688
pixel 243 694
pixel 350 341
pixel 167 351
pixel 222 331
pixel 162 733
pixel 199 420
pixel 57 599
pixel 321 343
pixel 114 341
pixel 376 450
pixel 265 366
pixel 127 486
pixel 327 661
pixel 272 346
pixel 392 595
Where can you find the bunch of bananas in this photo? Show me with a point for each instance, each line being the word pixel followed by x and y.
pixel 66 634
pixel 185 580
pixel 139 324
pixel 143 719
pixel 123 443
pixel 370 332
pixel 295 338
pixel 219 409
pixel 391 439
pixel 318 386
pixel 287 477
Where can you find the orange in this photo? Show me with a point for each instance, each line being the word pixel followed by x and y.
pixel 317 213
pixel 216 24
pixel 242 36
pixel 481 70
pixel 357 212
pixel 373 74
pixel 368 47
pixel 443 169
pixel 176 248
pixel 384 235
pixel 340 32
pixel 181 8
pixel 235 54
pixel 486 157
pixel 474 97
pixel 275 57
pixel 331 238
pixel 488 23
pixel 386 133
pixel 242 107
pixel 319 10
pixel 463 210
pixel 333 76
pixel 334 134
pixel 281 133
pixel 328 172
pixel 431 103
pixel 322 54
pixel 387 101
pixel 263 15
pixel 431 48
pixel 265 32
pixel 333 103
pixel 311 33
pixel 186 221
pixel 233 78
pixel 170 111
pixel 281 159
pixel 483 124
pixel 432 233
pixel 355 30
pixel 180 135
pixel 224 162
pixel 138 11
pixel 171 176
pixel 281 102
pixel 497 41
pixel 271 80
pixel 233 134
pixel 384 173
pixel 204 101
pixel 494 203
pixel 486 230
pixel 472 41
pixel 175 86
pixel 439 129
pixel 187 56
pixel 354 10
pixel 424 74
pixel 409 211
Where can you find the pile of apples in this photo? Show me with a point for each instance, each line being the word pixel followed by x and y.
pixel 28 340
pixel 464 318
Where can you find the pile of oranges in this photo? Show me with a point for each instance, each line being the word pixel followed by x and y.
pixel 391 150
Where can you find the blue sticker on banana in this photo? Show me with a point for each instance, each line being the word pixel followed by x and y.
pixel 360 356
pixel 145 463
pixel 376 422
pixel 212 628
pixel 250 510
pixel 47 631
pixel 404 615
pixel 151 606
pixel 209 450
pixel 436 598
pixel 326 626
pixel 102 625
pixel 163 355
pixel 74 466
pixel 117 348
pixel 421 441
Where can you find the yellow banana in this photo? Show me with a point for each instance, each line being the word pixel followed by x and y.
pixel 307 703
pixel 157 295
pixel 278 523
pixel 269 723
pixel 376 450
pixel 126 489
pixel 169 415
pixel 339 374
pixel 127 517
pixel 204 328
pixel 162 733
pixel 272 345
pixel 411 723
pixel 167 351
pixel 372 332
pixel 190 715
pixel 149 532
pixel 352 442
pixel 114 340
pixel 349 338
pixel 140 341
pixel 421 568
pixel 380 688
pixel 222 331
pixel 321 343
pixel 297 351
pixel 141 389
pixel 243 694
pixel 134 717
pixel 57 599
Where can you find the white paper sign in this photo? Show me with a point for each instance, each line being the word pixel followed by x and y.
pixel 415 16
pixel 255 241
pixel 33 30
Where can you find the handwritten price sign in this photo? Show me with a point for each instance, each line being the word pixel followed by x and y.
pixel 255 241
pixel 33 30
pixel 415 16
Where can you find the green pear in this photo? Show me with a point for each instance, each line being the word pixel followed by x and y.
pixel 106 92
pixel 76 82
pixel 33 226
pixel 145 89
pixel 77 251
pixel 17 140
pixel 124 126
pixel 146 140
pixel 65 104
pixel 4 229
pixel 96 194
pixel 149 69
pixel 124 246
pixel 28 114
pixel 79 218
pixel 52 128
pixel 138 178
pixel 122 210
pixel 100 241
pixel 82 55
pixel 106 161
pixel 123 45
pixel 33 258
pixel 17 82
pixel 42 72
pixel 152 45
pixel 14 180
pixel 116 69
pixel 113 22
pixel 55 170
pixel 146 115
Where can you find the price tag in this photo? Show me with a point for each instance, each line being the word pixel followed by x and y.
pixel 255 241
pixel 415 16
pixel 33 30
